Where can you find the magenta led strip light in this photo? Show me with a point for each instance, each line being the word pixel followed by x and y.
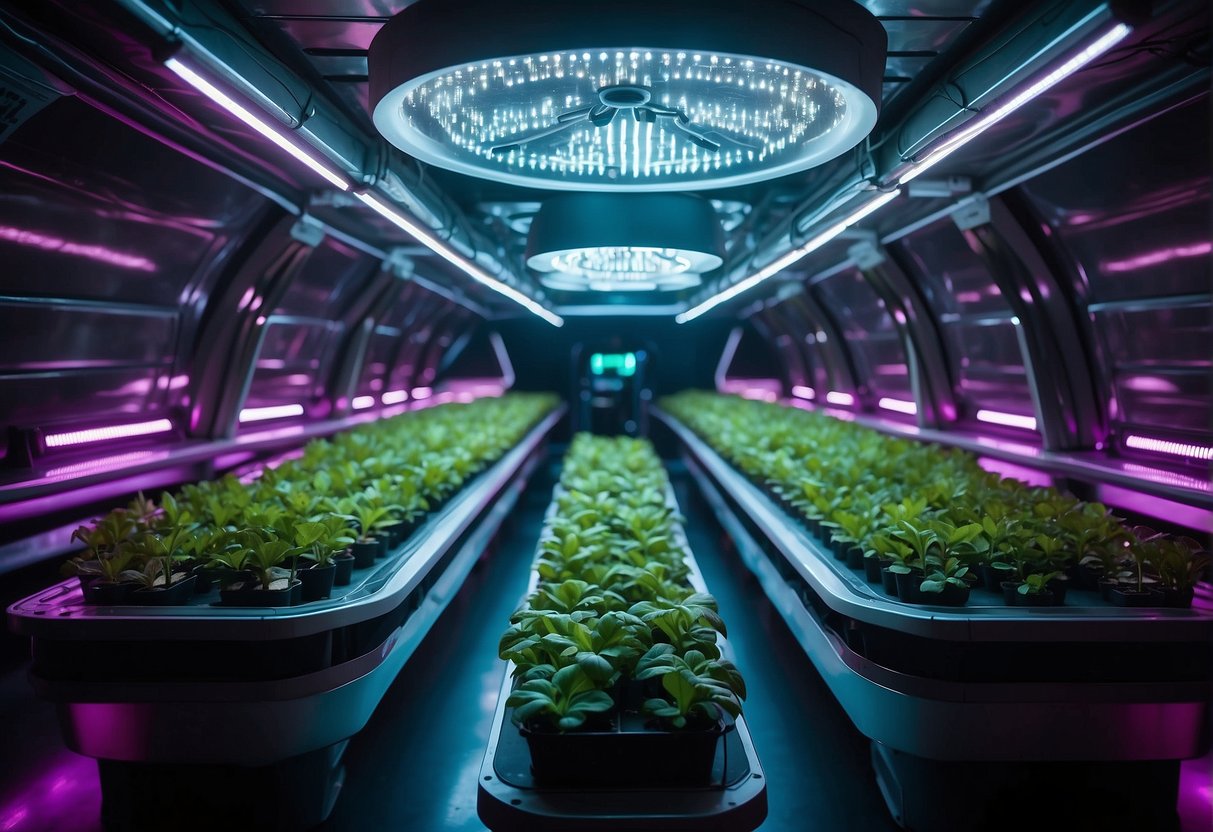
pixel 1166 446
pixel 102 434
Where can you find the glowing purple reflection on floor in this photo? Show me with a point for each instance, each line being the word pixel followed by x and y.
pixel 63 794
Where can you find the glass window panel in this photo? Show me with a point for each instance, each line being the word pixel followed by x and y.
pixel 330 280
pixel 293 364
pixel 982 350
pixel 869 331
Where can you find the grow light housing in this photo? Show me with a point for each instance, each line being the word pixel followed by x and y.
pixel 628 95
pixel 629 242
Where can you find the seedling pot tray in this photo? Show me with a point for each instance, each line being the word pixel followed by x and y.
pixel 263 597
pixel 317 582
pixel 99 593
pixel 629 756
pixel 176 594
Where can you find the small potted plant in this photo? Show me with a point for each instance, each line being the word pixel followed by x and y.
pixel 268 584
pixel 944 583
pixel 1181 564
pixel 1038 589
pixel 111 570
pixel 369 516
pixel 160 583
pixel 1135 591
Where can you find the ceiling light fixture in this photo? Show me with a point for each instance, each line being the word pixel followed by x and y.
pixel 793 256
pixel 992 116
pixel 627 95
pixel 624 242
pixel 427 239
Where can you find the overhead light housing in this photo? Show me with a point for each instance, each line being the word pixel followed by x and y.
pixel 628 95
pixel 624 242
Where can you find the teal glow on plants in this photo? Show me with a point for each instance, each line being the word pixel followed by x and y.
pixel 627 96
pixel 619 364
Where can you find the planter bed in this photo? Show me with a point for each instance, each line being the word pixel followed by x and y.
pixel 194 682
pixel 1064 681
pixel 647 768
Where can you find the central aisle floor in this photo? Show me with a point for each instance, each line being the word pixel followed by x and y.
pixel 415 765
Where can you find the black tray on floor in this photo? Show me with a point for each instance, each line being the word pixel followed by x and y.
pixel 509 800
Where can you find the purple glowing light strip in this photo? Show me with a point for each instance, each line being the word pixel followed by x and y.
pixel 362 402
pixel 101 254
pixel 278 411
pixel 395 396
pixel 802 392
pixel 1164 446
pixel 259 125
pixel 420 393
pixel 103 434
pixel 991 117
pixel 844 399
pixel 1010 420
pixel 898 405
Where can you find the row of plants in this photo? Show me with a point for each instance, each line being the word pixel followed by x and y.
pixel 927 523
pixel 296 530
pixel 615 652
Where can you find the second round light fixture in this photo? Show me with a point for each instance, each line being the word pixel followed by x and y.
pixel 624 242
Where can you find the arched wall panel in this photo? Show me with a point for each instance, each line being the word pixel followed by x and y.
pixel 110 249
pixel 869 332
pixel 1138 235
pixel 972 316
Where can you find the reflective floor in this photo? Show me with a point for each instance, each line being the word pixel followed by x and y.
pixel 415 765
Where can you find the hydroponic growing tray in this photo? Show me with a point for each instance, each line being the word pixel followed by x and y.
pixel 509 800
pixel 984 692
pixel 276 691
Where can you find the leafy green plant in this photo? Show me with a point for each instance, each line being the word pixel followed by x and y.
pixel 563 702
pixel 1037 584
pixel 940 574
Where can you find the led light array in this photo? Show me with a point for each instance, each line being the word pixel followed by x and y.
pixel 109 432
pixel 1165 446
pixel 756 110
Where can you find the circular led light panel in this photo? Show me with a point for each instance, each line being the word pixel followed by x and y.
pixel 621 242
pixel 627 95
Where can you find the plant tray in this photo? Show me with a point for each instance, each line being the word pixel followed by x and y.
pixel 628 756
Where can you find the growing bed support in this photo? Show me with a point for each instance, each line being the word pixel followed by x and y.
pixel 179 703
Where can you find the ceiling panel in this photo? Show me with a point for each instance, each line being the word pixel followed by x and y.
pixel 330 33
pixel 923 34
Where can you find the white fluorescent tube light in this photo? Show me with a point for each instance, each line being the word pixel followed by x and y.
pixel 844 399
pixel 982 123
pixel 277 411
pixel 788 259
pixel 252 120
pixel 802 392
pixel 444 251
pixel 395 396
pixel 898 405
pixel 1010 420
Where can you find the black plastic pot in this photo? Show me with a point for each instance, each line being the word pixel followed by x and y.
pixel 950 596
pixel 1088 577
pixel 888 580
pixel 623 759
pixel 178 593
pixel 1015 598
pixel 839 546
pixel 854 556
pixel 1177 598
pixel 907 586
pixel 1132 598
pixel 204 580
pixel 103 593
pixel 365 552
pixel 399 532
pixel 344 563
pixel 871 568
pixel 317 582
pixel 262 597
pixel 1106 585
pixel 992 577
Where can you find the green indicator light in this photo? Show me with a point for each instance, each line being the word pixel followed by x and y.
pixel 620 364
